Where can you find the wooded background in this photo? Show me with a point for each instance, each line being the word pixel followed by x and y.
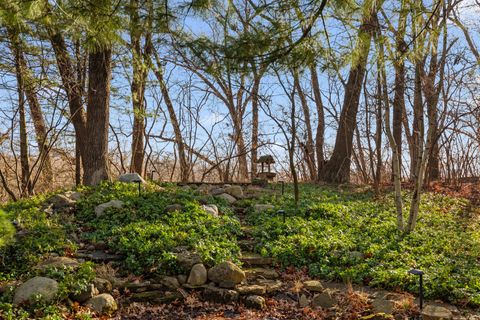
pixel 370 92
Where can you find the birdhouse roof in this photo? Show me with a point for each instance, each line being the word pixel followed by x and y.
pixel 268 159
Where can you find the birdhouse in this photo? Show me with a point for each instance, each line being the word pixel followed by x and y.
pixel 265 172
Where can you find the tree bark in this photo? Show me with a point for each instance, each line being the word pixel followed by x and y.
pixel 399 90
pixel 255 114
pixel 337 169
pixel 74 90
pixel 137 88
pixel 96 165
pixel 35 109
pixel 307 147
pixel 320 134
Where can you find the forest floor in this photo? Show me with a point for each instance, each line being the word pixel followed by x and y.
pixel 343 236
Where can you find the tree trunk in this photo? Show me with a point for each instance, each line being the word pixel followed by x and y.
pixel 399 90
pixel 337 169
pixel 398 104
pixel 417 119
pixel 307 147
pixel 137 88
pixel 74 91
pixel 96 168
pixel 184 165
pixel 34 104
pixel 255 99
pixel 320 134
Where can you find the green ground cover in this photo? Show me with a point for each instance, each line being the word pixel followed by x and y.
pixel 342 235
pixel 351 236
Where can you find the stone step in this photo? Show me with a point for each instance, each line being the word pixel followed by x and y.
pixel 263 273
pixel 247 244
pixel 254 259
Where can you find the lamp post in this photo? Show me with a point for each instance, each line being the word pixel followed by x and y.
pixel 282 212
pixel 283 186
pixel 419 273
pixel 139 182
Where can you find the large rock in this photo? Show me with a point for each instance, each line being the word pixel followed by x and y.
pixel 271 285
pixel 252 289
pixel 203 189
pixel 103 285
pixel 41 287
pixel 89 292
pixel 431 312
pixel 324 300
pixel 313 285
pixel 198 275
pixel 103 304
pixel 216 191
pixel 130 177
pixel 100 209
pixel 228 198
pixel 211 209
pixel 226 272
pixel 263 207
pixel 186 259
pixel 156 296
pixel 172 282
pixel 61 201
pixel 57 263
pixel 235 191
pixel 220 295
pixel 253 273
pixel 256 302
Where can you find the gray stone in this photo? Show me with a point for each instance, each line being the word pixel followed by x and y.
pixel 130 178
pixel 156 296
pixel 256 302
pixel 263 207
pixel 103 304
pixel 235 191
pixel 261 273
pixel 303 301
pixel 170 282
pixel 203 189
pixel 211 209
pixel 313 285
pixel 252 289
pixel 74 195
pixel 89 292
pixel 61 201
pixel 226 271
pixel 186 259
pixel 324 300
pixel 182 279
pixel 216 191
pixel 98 256
pixel 173 208
pixel 100 209
pixel 271 285
pixel 102 285
pixel 57 263
pixel 431 312
pixel 198 275
pixel 228 198
pixel 220 295
pixel 44 288
pixel 228 284
pixel 254 259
